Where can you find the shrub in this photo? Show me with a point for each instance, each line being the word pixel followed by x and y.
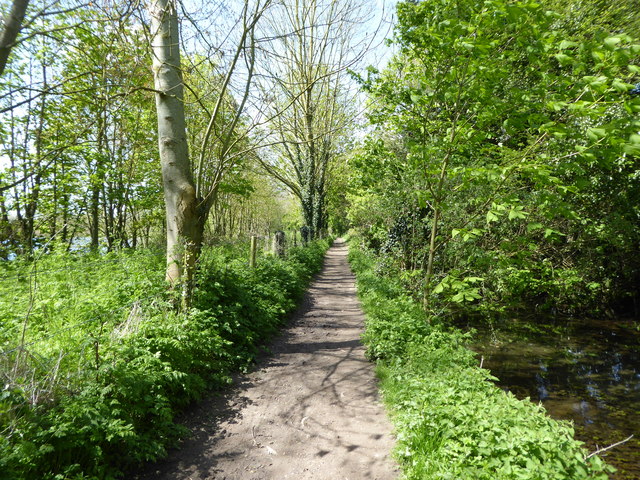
pixel 451 421
pixel 117 405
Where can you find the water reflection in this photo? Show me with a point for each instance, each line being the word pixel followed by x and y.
pixel 586 371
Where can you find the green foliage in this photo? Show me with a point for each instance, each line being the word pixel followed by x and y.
pixel 451 421
pixel 504 149
pixel 113 406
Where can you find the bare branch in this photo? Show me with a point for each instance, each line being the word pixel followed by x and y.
pixel 604 449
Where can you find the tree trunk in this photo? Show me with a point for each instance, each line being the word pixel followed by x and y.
pixel 432 253
pixel 6 232
pixel 64 204
pixel 184 225
pixel 94 227
pixel 12 25
pixel 31 206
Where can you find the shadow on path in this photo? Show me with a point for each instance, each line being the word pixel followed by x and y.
pixel 310 410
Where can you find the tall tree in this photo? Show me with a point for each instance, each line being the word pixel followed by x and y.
pixel 191 190
pixel 181 203
pixel 307 95
pixel 66 62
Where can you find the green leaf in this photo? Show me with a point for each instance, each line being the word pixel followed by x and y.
pixel 472 295
pixel 632 107
pixel 594 81
pixel 473 279
pixel 458 298
pixel 596 133
pixel 563 59
pixel 580 106
pixel 515 213
pixel 558 130
pixel 620 86
pixel 534 226
pixel 492 216
pixel 556 106
pixel 549 232
pixel 567 44
pixel 611 42
pixel 631 149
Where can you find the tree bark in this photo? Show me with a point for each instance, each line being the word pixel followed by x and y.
pixel 94 227
pixel 12 25
pixel 184 224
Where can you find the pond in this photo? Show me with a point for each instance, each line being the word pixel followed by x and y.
pixel 583 370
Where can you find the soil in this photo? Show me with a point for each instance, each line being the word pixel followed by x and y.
pixel 310 410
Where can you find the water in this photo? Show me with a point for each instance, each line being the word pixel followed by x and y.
pixel 586 371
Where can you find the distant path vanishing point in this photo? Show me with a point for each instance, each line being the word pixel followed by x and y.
pixel 309 411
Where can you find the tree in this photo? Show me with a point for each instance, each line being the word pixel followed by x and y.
pixel 494 108
pixel 181 203
pixel 307 96
pixel 191 190
pixel 66 91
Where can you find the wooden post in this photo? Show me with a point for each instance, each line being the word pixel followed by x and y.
pixel 279 243
pixel 254 248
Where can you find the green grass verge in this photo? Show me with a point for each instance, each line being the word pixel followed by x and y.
pixel 96 386
pixel 451 421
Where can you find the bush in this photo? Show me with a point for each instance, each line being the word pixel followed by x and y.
pixel 127 383
pixel 451 421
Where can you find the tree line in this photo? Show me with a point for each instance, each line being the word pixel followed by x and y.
pixel 124 123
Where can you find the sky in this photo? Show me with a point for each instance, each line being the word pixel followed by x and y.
pixel 214 19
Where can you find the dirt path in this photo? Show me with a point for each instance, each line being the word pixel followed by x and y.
pixel 309 411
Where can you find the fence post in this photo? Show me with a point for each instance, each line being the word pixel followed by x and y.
pixel 267 243
pixel 252 254
pixel 279 243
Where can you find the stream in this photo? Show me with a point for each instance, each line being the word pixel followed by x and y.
pixel 583 370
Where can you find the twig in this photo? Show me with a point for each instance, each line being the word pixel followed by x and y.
pixel 253 432
pixel 600 450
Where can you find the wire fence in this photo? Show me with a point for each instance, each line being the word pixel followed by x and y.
pixel 36 299
pixel 293 238
pixel 102 316
pixel 40 370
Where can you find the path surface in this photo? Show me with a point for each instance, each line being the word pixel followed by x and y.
pixel 309 411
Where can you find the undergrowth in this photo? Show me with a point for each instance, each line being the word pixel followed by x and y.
pixel 93 390
pixel 451 421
